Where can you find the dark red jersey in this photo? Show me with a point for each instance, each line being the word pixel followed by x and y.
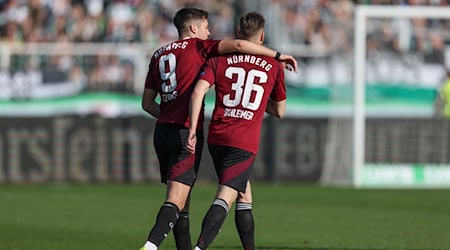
pixel 173 72
pixel 243 85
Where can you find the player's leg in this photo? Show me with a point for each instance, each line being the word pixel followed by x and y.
pixel 181 230
pixel 243 219
pixel 159 141
pixel 214 218
pixel 233 166
pixel 180 176
pixel 169 212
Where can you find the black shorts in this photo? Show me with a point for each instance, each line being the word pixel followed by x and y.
pixel 175 162
pixel 233 165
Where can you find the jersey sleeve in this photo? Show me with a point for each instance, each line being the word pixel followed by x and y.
pixel 208 71
pixel 279 91
pixel 209 48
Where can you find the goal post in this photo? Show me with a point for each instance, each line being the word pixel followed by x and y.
pixel 363 173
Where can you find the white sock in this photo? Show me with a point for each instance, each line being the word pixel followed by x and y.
pixel 197 248
pixel 150 246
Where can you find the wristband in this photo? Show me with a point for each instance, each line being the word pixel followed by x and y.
pixel 277 56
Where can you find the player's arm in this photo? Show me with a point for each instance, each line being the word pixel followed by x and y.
pixel 277 109
pixel 148 102
pixel 195 107
pixel 247 47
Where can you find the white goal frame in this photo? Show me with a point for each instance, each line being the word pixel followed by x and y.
pixel 362 13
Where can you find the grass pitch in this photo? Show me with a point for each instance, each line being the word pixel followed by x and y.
pixel 287 216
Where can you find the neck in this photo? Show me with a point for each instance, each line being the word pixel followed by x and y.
pixel 254 39
pixel 185 36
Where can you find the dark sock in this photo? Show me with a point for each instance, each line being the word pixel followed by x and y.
pixel 165 220
pixel 212 222
pixel 181 232
pixel 245 225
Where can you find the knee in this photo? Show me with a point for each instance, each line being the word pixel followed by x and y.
pixel 245 198
pixel 178 194
pixel 178 202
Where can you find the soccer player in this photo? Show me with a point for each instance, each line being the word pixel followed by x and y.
pixel 246 87
pixel 172 74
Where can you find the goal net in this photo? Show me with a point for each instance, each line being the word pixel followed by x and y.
pixel 393 134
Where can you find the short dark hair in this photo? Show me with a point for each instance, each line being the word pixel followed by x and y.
pixel 184 15
pixel 251 23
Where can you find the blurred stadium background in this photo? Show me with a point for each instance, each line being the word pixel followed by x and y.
pixel 72 73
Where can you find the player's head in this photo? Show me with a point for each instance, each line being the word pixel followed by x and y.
pixel 192 22
pixel 251 27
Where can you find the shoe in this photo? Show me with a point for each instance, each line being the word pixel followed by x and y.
pixel 149 246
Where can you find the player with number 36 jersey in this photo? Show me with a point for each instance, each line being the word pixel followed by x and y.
pixel 243 85
pixel 246 87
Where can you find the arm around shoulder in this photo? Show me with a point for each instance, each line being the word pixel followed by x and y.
pixel 244 46
pixel 247 47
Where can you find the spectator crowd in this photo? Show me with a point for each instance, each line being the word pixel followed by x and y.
pixel 103 20
pixel 323 24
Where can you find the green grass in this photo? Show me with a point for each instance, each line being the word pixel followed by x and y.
pixel 288 216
